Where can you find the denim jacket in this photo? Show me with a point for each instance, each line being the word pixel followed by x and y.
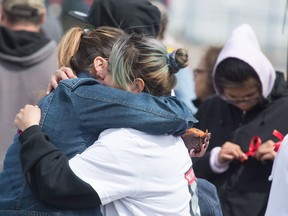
pixel 74 115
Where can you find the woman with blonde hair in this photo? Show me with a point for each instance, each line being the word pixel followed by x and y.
pixel 79 109
pixel 131 172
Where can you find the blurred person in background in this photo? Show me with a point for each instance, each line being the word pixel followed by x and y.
pixel 27 60
pixel 132 16
pixel 184 90
pixel 249 104
pixel 59 9
pixel 52 28
pixel 203 75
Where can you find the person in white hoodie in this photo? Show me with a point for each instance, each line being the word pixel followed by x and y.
pixel 251 102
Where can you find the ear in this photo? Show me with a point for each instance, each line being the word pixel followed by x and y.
pixel 99 64
pixel 138 85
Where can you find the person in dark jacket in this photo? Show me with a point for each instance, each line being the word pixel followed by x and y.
pixel 251 102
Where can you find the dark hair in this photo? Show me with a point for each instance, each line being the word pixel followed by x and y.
pixel 233 72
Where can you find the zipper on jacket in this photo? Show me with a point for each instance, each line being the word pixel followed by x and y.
pixel 242 117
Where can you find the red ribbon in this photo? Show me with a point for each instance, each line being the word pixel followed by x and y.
pixel 253 146
pixel 256 142
pixel 280 137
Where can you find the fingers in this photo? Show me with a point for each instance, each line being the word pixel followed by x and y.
pixel 201 153
pixel 244 157
pixel 16 120
pixel 27 116
pixel 60 74
pixel 266 151
pixel 225 158
pixel 69 73
pixel 206 140
pixel 208 137
pixel 52 84
pixel 269 156
pixel 230 151
pixel 192 153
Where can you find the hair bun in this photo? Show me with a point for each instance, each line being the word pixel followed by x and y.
pixel 177 59
pixel 172 63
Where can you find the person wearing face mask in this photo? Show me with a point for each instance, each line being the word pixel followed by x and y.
pixel 249 105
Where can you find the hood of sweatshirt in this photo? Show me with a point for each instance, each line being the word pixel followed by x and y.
pixel 243 44
pixel 23 47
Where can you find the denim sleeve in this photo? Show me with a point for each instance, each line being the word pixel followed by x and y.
pixel 113 108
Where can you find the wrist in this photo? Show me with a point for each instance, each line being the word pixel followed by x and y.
pixel 215 164
pixel 29 125
pixel 29 132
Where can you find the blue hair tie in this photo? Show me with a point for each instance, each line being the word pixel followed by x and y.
pixel 171 61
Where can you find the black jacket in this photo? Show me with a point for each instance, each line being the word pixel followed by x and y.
pixel 49 175
pixel 244 185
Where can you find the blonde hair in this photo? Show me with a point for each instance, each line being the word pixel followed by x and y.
pixel 130 57
pixel 78 47
pixel 137 56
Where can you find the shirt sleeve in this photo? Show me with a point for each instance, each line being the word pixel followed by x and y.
pixel 49 176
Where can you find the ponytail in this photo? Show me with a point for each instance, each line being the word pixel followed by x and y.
pixel 69 46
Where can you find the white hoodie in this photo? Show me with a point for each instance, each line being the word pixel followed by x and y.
pixel 243 44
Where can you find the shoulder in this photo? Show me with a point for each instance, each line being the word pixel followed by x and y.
pixel 278 105
pixel 129 136
pixel 122 135
pixel 78 82
pixel 118 135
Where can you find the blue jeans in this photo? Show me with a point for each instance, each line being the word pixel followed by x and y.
pixel 73 116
